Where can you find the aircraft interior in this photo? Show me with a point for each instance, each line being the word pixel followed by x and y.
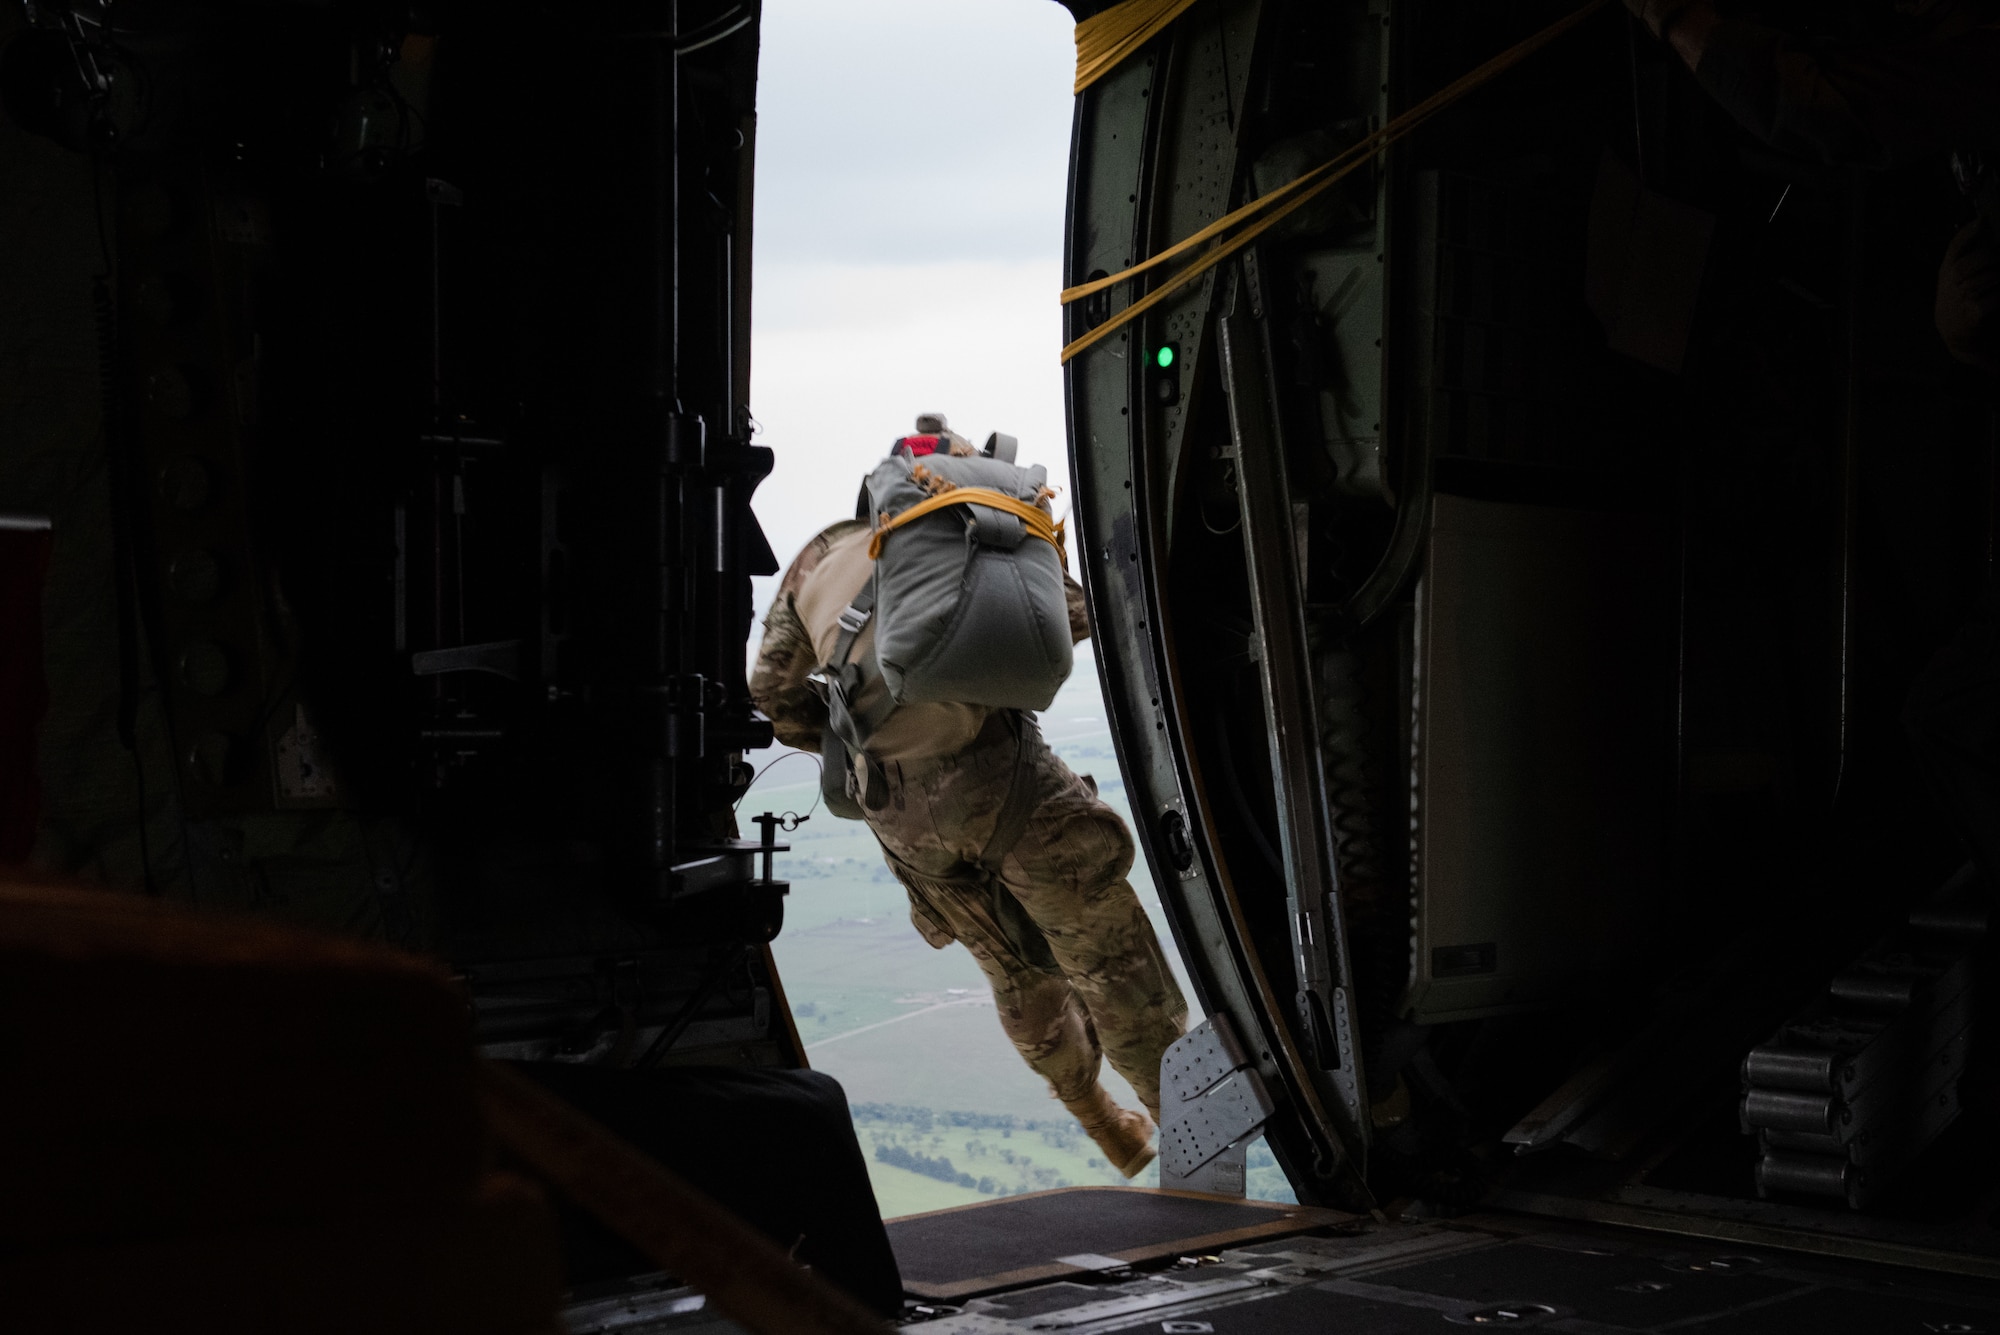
pixel 1539 556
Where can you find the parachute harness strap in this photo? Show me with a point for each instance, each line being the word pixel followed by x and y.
pixel 1040 524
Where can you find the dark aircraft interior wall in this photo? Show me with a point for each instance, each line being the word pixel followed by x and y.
pixel 1508 589
pixel 1758 376
pixel 1510 576
pixel 373 388
pixel 384 380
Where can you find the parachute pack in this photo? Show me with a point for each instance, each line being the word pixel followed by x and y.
pixel 969 602
pixel 967 598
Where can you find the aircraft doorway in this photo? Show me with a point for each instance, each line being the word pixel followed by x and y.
pixel 911 174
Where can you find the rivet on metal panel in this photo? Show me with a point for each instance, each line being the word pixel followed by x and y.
pixel 171 393
pixel 204 667
pixel 209 758
pixel 184 483
pixel 195 576
pixel 1510 1314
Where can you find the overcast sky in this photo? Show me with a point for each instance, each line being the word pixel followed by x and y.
pixel 911 164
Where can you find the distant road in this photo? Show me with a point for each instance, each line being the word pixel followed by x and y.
pixel 906 1015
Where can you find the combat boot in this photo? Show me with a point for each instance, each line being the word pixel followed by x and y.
pixel 1126 1137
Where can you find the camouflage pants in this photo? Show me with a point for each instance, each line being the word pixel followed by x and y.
pixel 1075 968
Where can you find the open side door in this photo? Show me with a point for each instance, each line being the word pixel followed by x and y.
pixel 1184 487
pixel 1400 732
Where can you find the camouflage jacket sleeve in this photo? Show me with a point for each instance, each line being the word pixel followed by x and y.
pixel 780 685
pixel 1079 616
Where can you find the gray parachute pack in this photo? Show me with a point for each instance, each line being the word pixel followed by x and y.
pixel 969 605
pixel 967 600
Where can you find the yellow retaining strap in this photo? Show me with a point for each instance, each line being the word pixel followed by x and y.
pixel 1103 40
pixel 1040 525
pixel 1294 195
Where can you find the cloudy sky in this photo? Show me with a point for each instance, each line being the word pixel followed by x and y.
pixel 911 163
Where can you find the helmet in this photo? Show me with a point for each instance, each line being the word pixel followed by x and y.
pixel 933 436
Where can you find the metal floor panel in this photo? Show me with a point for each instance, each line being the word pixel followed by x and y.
pixel 1363 1278
pixel 1369 1279
pixel 949 1255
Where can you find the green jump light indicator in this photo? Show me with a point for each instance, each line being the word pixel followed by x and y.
pixel 1164 376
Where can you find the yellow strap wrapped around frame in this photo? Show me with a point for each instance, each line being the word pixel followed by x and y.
pixel 1104 40
pixel 1040 525
pixel 1287 199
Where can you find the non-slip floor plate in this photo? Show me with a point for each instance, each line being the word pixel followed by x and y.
pixel 1493 1270
pixel 1479 1271
pixel 952 1254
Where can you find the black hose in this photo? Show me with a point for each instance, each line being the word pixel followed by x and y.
pixel 1379 937
pixel 1344 728
pixel 124 534
pixel 1234 782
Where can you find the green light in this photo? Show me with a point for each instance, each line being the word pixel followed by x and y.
pixel 1165 356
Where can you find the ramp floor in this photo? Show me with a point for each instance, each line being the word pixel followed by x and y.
pixel 1366 1279
pixel 949 1255
pixel 1361 1277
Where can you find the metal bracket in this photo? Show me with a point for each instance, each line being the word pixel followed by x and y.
pixel 1199 1060
pixel 502 658
pixel 1212 1102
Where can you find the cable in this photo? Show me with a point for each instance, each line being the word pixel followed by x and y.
pixel 677 1026
pixel 791 820
pixel 1248 813
pixel 97 215
pixel 730 31
pixel 124 561
pixel 707 35
pixel 1202 514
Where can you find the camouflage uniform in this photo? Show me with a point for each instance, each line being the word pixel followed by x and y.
pixel 1076 971
pixel 1057 930
pixel 786 658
